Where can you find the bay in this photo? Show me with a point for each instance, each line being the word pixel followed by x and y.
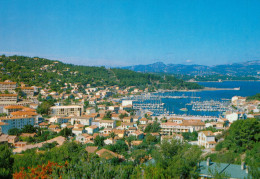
pixel 247 88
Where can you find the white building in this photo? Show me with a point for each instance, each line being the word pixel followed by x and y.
pixel 206 139
pixel 232 117
pixel 81 120
pixel 59 120
pixel 73 110
pixel 92 129
pixel 127 102
pixel 107 123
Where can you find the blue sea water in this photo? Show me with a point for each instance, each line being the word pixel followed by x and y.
pixel 247 88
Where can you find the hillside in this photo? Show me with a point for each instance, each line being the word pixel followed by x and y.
pixel 42 72
pixel 250 68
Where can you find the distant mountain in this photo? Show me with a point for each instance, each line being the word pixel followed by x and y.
pixel 235 69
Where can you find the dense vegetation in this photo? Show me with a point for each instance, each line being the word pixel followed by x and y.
pixel 241 143
pixel 255 97
pixel 43 72
pixel 171 159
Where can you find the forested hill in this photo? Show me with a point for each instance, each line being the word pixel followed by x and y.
pixel 43 72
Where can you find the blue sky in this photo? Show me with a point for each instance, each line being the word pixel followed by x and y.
pixel 128 32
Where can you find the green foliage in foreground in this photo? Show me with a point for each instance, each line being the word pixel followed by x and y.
pixel 172 160
pixel 241 143
pixel 6 161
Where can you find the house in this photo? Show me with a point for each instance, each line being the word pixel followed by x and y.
pixel 177 120
pixel 20 144
pixel 231 170
pixel 206 139
pixel 83 138
pixel 109 141
pixel 59 119
pixel 11 139
pixel 107 123
pixel 92 129
pixel 136 118
pixel 115 116
pixel 54 127
pixel 28 135
pixel 91 149
pixel 138 134
pixel 143 121
pixel 119 133
pixel 128 119
pixel 238 100
pixel 85 120
pixel 125 125
pixel 113 108
pixel 78 131
pixel 107 154
pixel 234 116
pixel 90 110
pixel 193 125
pixel 43 125
pixel 132 129
pixel 136 142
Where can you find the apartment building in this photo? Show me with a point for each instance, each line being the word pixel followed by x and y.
pixel 72 110
pixel 19 122
pixel 12 108
pixel 8 98
pixel 9 86
pixel 169 128
pixel 29 91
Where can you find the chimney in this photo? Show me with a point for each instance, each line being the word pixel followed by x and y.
pixel 243 166
pixel 208 161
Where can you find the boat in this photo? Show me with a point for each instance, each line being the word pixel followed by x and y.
pixel 237 88
pixel 184 109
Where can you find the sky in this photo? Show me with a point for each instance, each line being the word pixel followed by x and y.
pixel 131 32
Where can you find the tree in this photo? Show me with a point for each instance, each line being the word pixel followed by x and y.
pixel 66 132
pixel 242 135
pixel 14 131
pixel 28 129
pixel 99 141
pixel 6 161
pixel 174 159
pixel 190 136
pixel 44 107
pixel 107 116
pixel 155 127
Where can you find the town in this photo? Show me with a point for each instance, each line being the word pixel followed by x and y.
pixel 33 117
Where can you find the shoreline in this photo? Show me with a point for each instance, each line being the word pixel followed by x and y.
pixel 204 89
pixel 221 81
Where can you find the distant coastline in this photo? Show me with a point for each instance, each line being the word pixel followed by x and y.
pixel 220 81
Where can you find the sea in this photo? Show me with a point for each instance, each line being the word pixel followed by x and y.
pixel 247 88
